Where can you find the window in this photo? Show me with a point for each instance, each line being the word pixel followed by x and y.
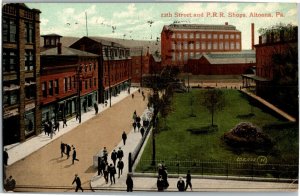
pixel 191 35
pixel 30 90
pixel 221 36
pixel 191 46
pixel 226 45
pixel 197 35
pixel 185 56
pixel 56 90
pixel 179 45
pixel 44 90
pixel 173 35
pixel 10 97
pixel 209 45
pixel 191 54
pixel 185 45
pixel 237 36
pixel 29 33
pixel 173 45
pixel 237 45
pixel 215 36
pixel 231 45
pixel 9 30
pixel 185 35
pixel 66 84
pixel 29 62
pixel 178 35
pixel 203 35
pixel 215 45
pixel 231 36
pixel 50 87
pixel 91 83
pixel 179 57
pixel 209 36
pixel 221 45
pixel 173 56
pixel 226 36
pixel 203 45
pixel 91 66
pixel 9 61
pixel 197 45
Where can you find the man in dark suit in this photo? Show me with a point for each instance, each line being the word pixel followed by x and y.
pixel 74 156
pixel 68 150
pixel 62 149
pixel 5 157
pixel 78 183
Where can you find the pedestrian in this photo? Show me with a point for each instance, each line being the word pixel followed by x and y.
pixel 62 149
pixel 134 125
pixel 132 95
pixel 46 128
pixel 112 172
pixel 56 126
pixel 74 156
pixel 128 91
pixel 84 105
pixel 134 116
pixel 120 153
pixel 114 156
pixel 143 93
pixel 138 124
pixel 188 180
pixel 160 184
pixel 96 108
pixel 10 184
pixel 105 171
pixel 180 184
pixel 77 116
pixel 124 137
pixel 64 122
pixel 5 157
pixel 120 167
pixel 104 154
pixel 139 90
pixel 142 131
pixel 68 150
pixel 78 183
pixel 99 169
pixel 129 183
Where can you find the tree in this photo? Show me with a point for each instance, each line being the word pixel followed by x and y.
pixel 214 100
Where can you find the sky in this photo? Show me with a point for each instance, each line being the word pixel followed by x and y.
pixel 144 21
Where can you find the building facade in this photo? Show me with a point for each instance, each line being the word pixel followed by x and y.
pixel 115 65
pixel 179 42
pixel 21 72
pixel 66 75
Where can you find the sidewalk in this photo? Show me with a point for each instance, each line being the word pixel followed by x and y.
pixel 19 151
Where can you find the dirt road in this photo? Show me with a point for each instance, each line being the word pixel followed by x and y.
pixel 46 171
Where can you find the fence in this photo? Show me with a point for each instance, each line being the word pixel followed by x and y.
pixel 241 169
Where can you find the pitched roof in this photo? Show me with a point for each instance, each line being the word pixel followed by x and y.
pixel 245 56
pixel 66 51
pixel 51 35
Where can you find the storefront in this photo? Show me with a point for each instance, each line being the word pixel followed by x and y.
pixel 88 100
pixel 11 126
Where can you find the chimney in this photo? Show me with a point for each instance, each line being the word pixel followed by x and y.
pixel 252 36
pixel 58 48
pixel 226 23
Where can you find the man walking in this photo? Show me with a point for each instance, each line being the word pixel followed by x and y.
pixel 124 137
pixel 62 149
pixel 120 153
pixel 64 122
pixel 68 148
pixel 114 156
pixel 105 172
pixel 5 157
pixel 78 183
pixel 180 185
pixel 129 183
pixel 112 172
pixel 74 156
pixel 120 167
pixel 134 125
pixel 142 131
pixel 104 154
pixel 96 108
pixel 188 180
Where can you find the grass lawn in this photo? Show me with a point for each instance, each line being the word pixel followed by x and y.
pixel 176 143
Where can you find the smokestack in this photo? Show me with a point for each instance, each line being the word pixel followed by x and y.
pixel 226 23
pixel 252 36
pixel 58 48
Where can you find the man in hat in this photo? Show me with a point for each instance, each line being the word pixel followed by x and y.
pixel 78 183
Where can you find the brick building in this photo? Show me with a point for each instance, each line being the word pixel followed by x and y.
pixel 63 72
pixel 140 63
pixel 115 65
pixel 21 70
pixel 221 63
pixel 180 42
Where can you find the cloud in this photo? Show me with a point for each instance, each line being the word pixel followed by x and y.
pixel 44 21
pixel 131 11
pixel 291 12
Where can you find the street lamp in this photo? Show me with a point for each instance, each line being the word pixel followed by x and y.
pixel 109 89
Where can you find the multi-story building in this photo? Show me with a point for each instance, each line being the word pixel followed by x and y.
pixel 115 65
pixel 21 72
pixel 179 42
pixel 66 74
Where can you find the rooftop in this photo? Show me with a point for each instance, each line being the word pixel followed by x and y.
pixel 65 51
pixel 202 27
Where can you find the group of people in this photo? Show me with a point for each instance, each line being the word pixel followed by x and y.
pixel 181 186
pixel 137 123
pixel 162 180
pixel 109 170
pixel 51 127
pixel 66 149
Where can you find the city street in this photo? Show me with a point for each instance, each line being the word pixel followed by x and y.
pixel 45 170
